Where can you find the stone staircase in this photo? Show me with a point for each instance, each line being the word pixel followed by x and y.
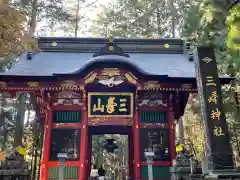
pixel 185 168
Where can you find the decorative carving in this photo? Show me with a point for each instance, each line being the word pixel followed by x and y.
pixel 33 84
pixel 68 98
pixel 69 84
pixel 110 82
pixel 131 78
pixel 186 86
pixel 110 77
pixel 153 99
pixel 90 77
pixel 66 125
pixel 110 121
pixel 110 72
pixel 154 125
pixel 42 111
pixel 151 85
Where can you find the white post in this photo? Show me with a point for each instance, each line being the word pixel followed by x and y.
pixel 149 156
pixel 61 157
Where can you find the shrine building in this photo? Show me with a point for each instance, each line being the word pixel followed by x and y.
pixel 90 86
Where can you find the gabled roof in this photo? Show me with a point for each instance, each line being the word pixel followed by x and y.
pixel 155 57
pixel 49 63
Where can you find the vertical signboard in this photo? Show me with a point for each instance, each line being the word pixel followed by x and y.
pixel 209 89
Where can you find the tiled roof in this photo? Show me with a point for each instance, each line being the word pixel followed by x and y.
pixel 68 55
pixel 49 63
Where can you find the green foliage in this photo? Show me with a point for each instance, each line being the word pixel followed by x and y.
pixel 205 24
pixel 142 18
pixel 12 33
pixel 233 21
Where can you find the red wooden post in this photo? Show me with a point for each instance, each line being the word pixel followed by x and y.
pixel 46 145
pixel 136 135
pixel 171 131
pixel 83 142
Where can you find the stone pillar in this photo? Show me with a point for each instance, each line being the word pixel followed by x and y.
pixel 149 156
pixel 61 157
pixel 209 88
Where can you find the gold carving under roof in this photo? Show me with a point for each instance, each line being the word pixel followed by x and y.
pixel 33 84
pixel 68 84
pixel 153 99
pixel 90 77
pixel 110 72
pixel 151 85
pixel 67 98
pixel 186 86
pixel 111 82
pixel 131 78
pixel 110 77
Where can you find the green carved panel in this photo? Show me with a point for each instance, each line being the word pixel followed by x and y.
pixel 158 172
pixel 70 172
pixel 67 116
pixel 153 117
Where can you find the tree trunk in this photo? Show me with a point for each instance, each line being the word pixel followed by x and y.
pixel 77 19
pixel 159 24
pixel 32 22
pixel 172 11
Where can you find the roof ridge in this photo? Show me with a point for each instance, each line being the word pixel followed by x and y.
pixel 129 45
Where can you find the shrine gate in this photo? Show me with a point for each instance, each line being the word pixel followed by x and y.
pixel 87 86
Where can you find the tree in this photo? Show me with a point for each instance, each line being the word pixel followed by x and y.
pixel 12 32
pixel 144 18
pixel 204 24
pixel 233 21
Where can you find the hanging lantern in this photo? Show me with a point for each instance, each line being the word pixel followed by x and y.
pixel 110 146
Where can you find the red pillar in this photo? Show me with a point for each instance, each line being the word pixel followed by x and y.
pixel 83 144
pixel 171 127
pixel 46 145
pixel 136 135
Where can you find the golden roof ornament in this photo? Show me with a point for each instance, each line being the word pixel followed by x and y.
pixel 54 44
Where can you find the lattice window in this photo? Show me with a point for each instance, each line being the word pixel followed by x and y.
pixel 67 116
pixel 153 117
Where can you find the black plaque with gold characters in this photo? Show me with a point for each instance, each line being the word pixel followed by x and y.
pixel 110 104
pixel 155 140
pixel 209 88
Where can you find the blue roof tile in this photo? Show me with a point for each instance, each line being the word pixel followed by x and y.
pixel 49 63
